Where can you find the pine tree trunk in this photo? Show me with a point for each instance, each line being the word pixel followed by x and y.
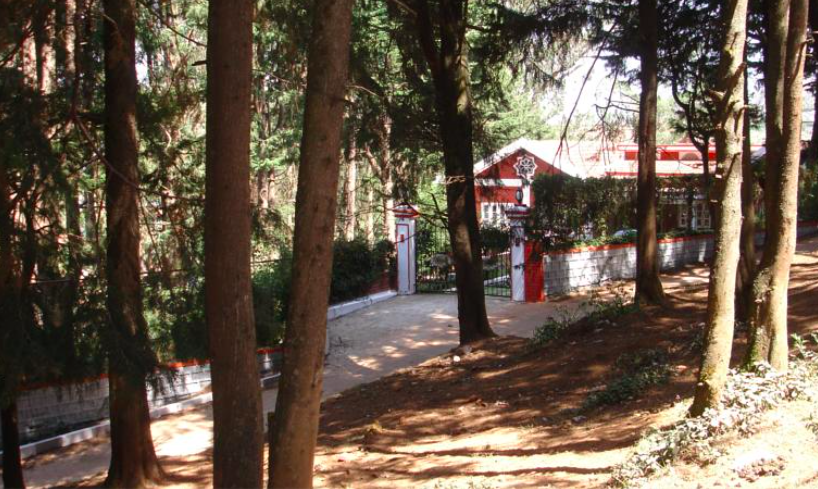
pixel 721 294
pixel 387 172
pixel 350 190
pixel 812 22
pixel 768 313
pixel 295 427
pixel 450 72
pixel 133 460
pixel 369 222
pixel 12 466
pixel 648 285
pixel 12 463
pixel 237 411
pixel 388 203
pixel 747 260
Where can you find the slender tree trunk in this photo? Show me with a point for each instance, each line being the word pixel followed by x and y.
pixel 350 189
pixel 369 223
pixel 768 313
pixel 388 203
pixel 813 29
pixel 721 294
pixel 648 285
pixel 747 260
pixel 133 460
pixel 450 72
pixel 12 466
pixel 295 427
pixel 387 171
pixel 237 412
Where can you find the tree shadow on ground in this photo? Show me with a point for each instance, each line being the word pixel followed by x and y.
pixel 507 408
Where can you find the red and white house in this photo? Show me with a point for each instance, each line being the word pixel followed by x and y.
pixel 503 179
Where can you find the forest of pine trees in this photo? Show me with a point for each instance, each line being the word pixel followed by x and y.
pixel 176 177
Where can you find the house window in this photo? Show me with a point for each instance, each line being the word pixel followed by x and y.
pixel 494 213
pixel 701 216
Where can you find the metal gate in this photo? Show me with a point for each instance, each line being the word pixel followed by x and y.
pixel 435 264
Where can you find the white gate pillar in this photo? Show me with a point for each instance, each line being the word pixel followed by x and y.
pixel 517 216
pixel 405 216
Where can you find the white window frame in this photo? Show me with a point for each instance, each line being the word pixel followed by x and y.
pixel 701 216
pixel 494 213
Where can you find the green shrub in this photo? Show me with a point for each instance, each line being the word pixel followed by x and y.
pixel 271 298
pixel 636 372
pixel 355 265
pixel 593 313
pixel 565 207
pixel 554 327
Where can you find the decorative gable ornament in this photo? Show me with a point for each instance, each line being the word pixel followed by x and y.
pixel 525 167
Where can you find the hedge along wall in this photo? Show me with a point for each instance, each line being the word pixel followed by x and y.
pixel 47 410
pixel 583 267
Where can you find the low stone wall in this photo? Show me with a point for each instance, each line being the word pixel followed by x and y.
pixel 46 410
pixel 573 269
pixel 583 267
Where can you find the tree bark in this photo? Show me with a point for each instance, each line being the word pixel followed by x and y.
pixel 11 281
pixel 133 459
pixel 812 22
pixel 350 189
pixel 450 73
pixel 768 312
pixel 648 285
pixel 387 174
pixel 12 463
pixel 295 429
pixel 12 466
pixel 237 411
pixel 721 294
pixel 747 260
pixel 369 222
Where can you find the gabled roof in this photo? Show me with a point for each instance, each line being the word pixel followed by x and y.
pixel 572 158
pixel 592 159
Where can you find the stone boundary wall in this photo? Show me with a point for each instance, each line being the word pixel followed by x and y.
pixel 48 409
pixel 584 267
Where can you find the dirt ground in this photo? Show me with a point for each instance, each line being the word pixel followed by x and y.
pixel 504 414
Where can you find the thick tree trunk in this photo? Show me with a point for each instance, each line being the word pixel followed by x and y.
pixel 9 286
pixel 12 466
pixel 450 72
pixel 768 313
pixel 295 428
pixel 648 285
pixel 238 437
pixel 133 460
pixel 721 294
pixel 747 260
